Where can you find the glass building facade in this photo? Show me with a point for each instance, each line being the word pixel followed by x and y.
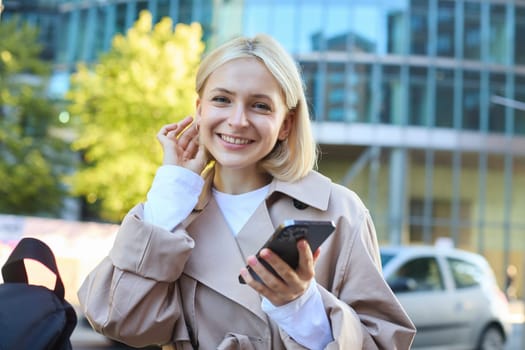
pixel 418 105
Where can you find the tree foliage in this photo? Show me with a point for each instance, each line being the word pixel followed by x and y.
pixel 32 159
pixel 146 80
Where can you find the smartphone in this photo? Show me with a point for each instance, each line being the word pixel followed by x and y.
pixel 284 240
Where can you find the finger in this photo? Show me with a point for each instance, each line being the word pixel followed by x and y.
pixel 199 160
pixel 188 135
pixel 261 268
pixel 202 155
pixel 306 260
pixel 172 134
pixel 177 127
pixel 191 149
pixel 246 275
pixel 185 122
pixel 167 128
pixel 184 125
pixel 252 262
pixel 285 273
pixel 316 254
pixel 285 287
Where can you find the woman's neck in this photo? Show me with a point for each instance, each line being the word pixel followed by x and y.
pixel 237 181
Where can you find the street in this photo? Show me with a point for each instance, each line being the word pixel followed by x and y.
pixel 84 338
pixel 515 341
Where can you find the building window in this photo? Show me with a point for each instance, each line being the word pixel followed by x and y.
pixel 519 36
pixel 472 31
pixel 497 111
pixel 121 25
pixel 360 99
pixel 142 5
pixel 47 36
pixel 417 108
pixel 499 44
pixel 419 37
pixel 163 8
pixel 310 70
pixel 471 100
pixel 439 222
pixel 444 98
pixel 391 102
pixel 397 23
pixel 335 92
pixel 446 29
pixel 519 113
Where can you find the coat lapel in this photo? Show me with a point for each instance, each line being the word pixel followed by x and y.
pixel 217 257
pixel 256 231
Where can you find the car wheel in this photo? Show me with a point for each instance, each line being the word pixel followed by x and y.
pixel 491 339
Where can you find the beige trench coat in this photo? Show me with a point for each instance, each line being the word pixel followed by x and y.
pixel 166 288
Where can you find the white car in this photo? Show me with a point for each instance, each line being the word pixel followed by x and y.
pixel 450 295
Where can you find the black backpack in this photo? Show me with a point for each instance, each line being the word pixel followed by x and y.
pixel 33 317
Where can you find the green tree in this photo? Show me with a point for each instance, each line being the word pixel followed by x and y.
pixel 146 80
pixel 32 158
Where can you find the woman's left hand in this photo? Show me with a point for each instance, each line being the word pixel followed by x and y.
pixel 292 284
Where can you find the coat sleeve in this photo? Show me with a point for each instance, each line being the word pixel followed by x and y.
pixel 363 311
pixel 147 260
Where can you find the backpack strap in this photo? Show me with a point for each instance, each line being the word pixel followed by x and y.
pixel 14 270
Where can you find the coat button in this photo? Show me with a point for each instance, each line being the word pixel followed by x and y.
pixel 299 205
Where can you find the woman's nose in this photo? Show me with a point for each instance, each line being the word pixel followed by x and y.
pixel 238 118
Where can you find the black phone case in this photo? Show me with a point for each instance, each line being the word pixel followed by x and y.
pixel 284 240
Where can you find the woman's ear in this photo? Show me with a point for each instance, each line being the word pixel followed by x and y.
pixel 286 126
pixel 198 110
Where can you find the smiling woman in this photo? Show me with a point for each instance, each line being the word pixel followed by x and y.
pixel 230 175
pixel 242 116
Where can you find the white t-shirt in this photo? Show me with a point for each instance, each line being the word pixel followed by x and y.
pixel 237 208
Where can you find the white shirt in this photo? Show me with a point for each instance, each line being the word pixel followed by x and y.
pixel 171 198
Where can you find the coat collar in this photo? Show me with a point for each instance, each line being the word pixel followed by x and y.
pixel 312 190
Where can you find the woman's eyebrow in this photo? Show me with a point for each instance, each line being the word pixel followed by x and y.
pixel 223 90
pixel 262 96
pixel 226 91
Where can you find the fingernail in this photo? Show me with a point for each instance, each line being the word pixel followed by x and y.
pixel 265 253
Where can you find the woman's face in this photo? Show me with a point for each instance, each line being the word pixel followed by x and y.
pixel 241 113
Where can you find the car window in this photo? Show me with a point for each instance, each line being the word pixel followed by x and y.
pixel 419 274
pixel 385 258
pixel 466 274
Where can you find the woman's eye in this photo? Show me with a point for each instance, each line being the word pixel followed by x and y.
pixel 220 99
pixel 263 106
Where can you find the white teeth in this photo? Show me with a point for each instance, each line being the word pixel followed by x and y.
pixel 234 140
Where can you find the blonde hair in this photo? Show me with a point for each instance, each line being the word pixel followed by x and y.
pixel 293 158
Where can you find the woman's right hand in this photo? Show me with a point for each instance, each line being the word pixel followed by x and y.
pixel 180 144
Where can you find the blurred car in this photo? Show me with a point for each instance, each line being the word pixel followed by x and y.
pixel 451 296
